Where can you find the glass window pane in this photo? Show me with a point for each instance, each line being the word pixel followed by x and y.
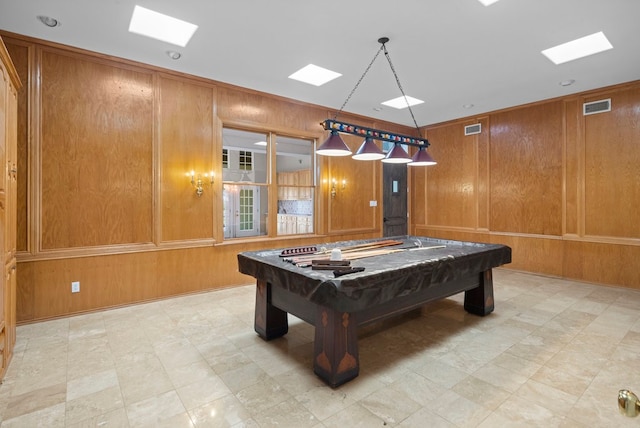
pixel 244 156
pixel 296 185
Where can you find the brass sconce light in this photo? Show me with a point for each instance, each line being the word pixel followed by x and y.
pixel 334 184
pixel 201 180
pixel 628 403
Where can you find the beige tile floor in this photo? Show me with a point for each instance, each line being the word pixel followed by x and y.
pixel 553 354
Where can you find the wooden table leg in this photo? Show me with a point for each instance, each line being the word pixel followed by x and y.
pixel 479 300
pixel 335 347
pixel 270 322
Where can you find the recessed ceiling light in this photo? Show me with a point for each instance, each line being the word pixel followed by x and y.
pixel 174 54
pixel 467 106
pixel 487 2
pixel 161 27
pixel 402 102
pixel 568 82
pixel 261 143
pixel 314 75
pixel 579 48
pixel 49 21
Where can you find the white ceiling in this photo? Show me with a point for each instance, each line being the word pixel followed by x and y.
pixel 446 52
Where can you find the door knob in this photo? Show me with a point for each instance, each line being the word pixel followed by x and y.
pixel 628 403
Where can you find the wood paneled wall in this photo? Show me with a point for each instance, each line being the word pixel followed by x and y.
pixel 562 189
pixel 104 146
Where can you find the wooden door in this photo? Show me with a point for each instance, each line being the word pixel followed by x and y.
pixel 9 85
pixel 394 178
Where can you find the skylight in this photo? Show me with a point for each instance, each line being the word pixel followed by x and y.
pixel 161 27
pixel 487 2
pixel 314 75
pixel 402 102
pixel 579 48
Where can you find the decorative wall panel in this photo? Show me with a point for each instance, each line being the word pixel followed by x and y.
pixel 452 184
pixel 186 140
pixel 612 167
pixel 96 153
pixel 526 147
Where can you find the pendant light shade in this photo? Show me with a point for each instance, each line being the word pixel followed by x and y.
pixel 397 155
pixel 422 158
pixel 334 146
pixel 368 151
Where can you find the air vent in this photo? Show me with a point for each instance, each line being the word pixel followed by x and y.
pixel 473 129
pixel 596 107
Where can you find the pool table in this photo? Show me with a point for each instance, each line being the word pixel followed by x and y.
pixel 419 271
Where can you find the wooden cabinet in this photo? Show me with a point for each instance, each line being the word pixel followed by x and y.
pixel 294 185
pixel 291 224
pixel 305 224
pixel 286 224
pixel 9 85
pixel 304 179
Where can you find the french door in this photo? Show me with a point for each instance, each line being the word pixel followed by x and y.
pixel 241 211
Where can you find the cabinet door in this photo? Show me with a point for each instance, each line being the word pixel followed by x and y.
pixel 5 124
pixel 299 181
pixel 11 184
pixel 279 182
pixel 291 225
pixel 5 303
pixel 8 205
pixel 280 225
pixel 290 180
pixel 305 180
pixel 9 305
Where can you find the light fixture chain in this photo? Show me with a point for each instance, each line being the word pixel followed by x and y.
pixel 358 83
pixel 393 70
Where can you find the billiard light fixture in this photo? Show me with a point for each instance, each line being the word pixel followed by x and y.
pixel 369 151
pixel 422 158
pixel 335 145
pixel 397 155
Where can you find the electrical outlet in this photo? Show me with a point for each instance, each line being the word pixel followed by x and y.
pixel 75 287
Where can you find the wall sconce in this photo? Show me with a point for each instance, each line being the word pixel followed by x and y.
pixel 334 184
pixel 200 181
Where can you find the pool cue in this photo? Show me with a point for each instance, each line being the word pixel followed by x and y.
pixel 320 255
pixel 378 244
pixel 308 259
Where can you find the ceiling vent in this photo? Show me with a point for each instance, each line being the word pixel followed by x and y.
pixel 596 107
pixel 473 129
